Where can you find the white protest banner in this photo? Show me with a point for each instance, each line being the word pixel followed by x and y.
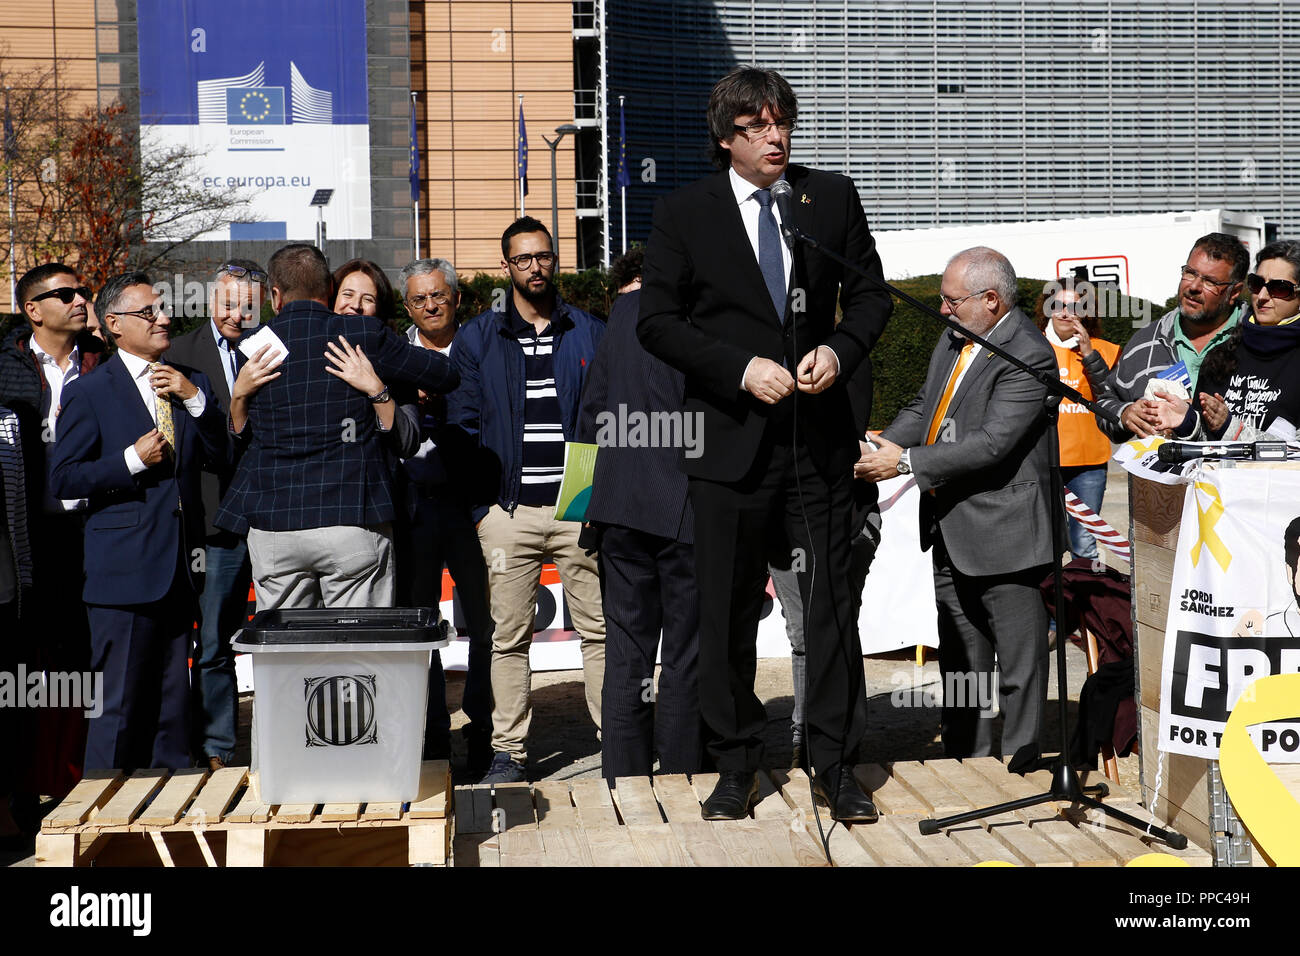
pixel 1232 611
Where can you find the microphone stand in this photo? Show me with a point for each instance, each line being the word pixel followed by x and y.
pixel 1065 779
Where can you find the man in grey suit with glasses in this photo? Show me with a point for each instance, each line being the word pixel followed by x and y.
pixel 977 441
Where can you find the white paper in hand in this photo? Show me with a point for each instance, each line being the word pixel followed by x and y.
pixel 264 336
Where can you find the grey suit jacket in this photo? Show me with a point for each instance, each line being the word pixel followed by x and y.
pixel 989 466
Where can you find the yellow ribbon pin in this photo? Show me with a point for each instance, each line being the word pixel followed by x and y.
pixel 1206 519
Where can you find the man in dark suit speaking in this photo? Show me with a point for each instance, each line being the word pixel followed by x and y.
pixel 751 323
pixel 976 439
pixel 133 438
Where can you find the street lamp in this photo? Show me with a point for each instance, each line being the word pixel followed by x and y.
pixel 320 200
pixel 562 131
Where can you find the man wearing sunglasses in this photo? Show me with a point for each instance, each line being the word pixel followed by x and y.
pixel 134 439
pixel 38 361
pixel 237 291
pixel 523 364
pixel 1208 287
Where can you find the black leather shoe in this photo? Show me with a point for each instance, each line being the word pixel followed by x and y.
pixel 850 804
pixel 731 799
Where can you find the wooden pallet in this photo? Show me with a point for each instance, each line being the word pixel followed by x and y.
pixel 197 818
pixel 656 822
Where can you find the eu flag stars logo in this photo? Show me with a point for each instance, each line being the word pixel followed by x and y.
pixel 257 105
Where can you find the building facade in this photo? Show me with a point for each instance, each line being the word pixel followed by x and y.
pixel 949 112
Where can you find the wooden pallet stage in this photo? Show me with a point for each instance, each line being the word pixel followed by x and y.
pixel 656 822
pixel 197 818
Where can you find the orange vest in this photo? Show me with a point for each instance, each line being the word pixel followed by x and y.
pixel 1082 442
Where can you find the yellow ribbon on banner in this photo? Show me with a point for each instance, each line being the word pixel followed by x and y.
pixel 1262 801
pixel 1140 449
pixel 1206 519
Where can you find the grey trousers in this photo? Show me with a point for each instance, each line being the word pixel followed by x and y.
pixel 987 623
pixel 786 584
pixel 342 566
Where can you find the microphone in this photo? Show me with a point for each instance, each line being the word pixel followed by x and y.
pixel 781 197
pixel 1175 452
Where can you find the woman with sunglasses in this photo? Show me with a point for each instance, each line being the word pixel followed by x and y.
pixel 1083 359
pixel 1249 386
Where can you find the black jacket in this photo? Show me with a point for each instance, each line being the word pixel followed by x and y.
pixel 705 310
pixel 630 394
pixel 21 385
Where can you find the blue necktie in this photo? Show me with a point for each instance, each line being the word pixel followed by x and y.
pixel 769 252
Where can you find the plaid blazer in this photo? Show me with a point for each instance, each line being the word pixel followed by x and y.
pixel 313 458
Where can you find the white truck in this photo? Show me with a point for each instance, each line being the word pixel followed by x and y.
pixel 1139 254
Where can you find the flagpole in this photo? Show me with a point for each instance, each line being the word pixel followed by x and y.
pixel 415 199
pixel 622 190
pixel 517 167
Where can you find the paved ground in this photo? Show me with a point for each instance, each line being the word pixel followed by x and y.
pixel 564 745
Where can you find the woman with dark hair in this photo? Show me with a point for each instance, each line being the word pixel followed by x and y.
pixel 1249 386
pixel 1083 359
pixel 361 288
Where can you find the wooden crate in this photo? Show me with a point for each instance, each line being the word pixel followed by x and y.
pixel 197 818
pixel 656 822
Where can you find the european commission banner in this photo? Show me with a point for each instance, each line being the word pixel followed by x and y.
pixel 1232 611
pixel 272 97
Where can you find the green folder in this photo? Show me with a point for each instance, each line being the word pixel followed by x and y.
pixel 575 489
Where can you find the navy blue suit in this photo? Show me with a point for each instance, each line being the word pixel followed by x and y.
pixel 139 585
pixel 314 459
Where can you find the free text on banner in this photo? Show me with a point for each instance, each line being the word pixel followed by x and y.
pixel 1232 613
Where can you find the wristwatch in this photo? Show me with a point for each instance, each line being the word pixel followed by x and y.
pixel 380 398
pixel 905 462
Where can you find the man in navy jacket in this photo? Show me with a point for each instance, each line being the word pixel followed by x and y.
pixel 133 439
pixel 522 368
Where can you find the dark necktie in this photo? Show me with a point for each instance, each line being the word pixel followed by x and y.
pixel 769 252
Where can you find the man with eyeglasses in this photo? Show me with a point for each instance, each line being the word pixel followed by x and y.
pixel 1207 311
pixel 134 439
pixel 440 530
pixel 38 361
pixel 752 325
pixel 523 364
pixel 976 440
pixel 236 293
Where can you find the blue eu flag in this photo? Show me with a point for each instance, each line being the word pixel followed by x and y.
pixel 624 179
pixel 521 152
pixel 255 105
pixel 415 159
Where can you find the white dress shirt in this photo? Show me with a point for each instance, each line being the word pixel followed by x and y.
pixel 51 401
pixel 139 370
pixel 226 352
pixel 749 209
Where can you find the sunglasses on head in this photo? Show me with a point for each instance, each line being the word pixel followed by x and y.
pixel 64 294
pixel 1277 288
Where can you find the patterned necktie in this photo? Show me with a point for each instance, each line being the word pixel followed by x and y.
pixel 163 409
pixel 940 410
pixel 769 252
